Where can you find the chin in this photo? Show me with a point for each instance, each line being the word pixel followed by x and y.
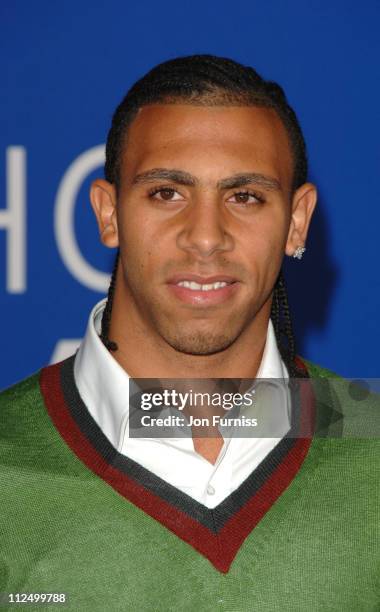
pixel 200 343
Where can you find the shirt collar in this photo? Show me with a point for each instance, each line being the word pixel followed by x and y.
pixel 104 385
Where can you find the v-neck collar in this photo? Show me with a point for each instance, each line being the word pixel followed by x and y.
pixel 216 533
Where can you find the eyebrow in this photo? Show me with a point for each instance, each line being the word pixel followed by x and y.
pixel 231 182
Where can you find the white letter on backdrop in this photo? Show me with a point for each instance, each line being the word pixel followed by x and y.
pixel 13 219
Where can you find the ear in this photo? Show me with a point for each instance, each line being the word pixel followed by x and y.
pixel 103 201
pixel 303 204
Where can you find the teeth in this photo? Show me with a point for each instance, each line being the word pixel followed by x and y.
pixel 197 287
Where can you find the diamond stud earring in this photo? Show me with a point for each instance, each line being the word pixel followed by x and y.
pixel 299 252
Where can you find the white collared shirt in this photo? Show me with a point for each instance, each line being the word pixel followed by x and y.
pixel 104 388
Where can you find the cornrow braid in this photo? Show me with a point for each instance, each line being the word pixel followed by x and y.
pixel 106 316
pixel 275 312
pixel 283 327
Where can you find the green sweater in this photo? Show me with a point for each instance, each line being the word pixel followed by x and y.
pixel 300 534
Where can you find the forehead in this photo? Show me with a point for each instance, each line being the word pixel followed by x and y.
pixel 208 139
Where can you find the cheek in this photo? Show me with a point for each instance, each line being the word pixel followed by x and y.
pixel 134 232
pixel 140 250
pixel 262 247
pixel 265 239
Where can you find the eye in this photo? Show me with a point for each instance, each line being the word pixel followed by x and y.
pixel 169 194
pixel 247 198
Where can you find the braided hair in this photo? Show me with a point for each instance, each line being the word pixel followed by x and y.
pixel 209 80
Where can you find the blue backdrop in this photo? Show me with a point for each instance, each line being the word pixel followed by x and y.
pixel 65 66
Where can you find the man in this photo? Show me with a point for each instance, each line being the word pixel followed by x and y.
pixel 205 192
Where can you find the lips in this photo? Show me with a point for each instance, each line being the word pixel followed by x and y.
pixel 202 290
pixel 201 280
pixel 202 286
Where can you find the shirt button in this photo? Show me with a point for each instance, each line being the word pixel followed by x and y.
pixel 210 490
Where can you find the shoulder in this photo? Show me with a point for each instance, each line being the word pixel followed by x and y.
pixel 317 371
pixel 20 406
pixel 21 413
pixel 29 438
pixel 352 406
pixel 24 397
pixel 24 421
pixel 20 395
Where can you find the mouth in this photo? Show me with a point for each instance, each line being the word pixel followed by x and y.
pixel 204 291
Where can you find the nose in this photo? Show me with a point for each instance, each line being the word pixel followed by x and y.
pixel 205 229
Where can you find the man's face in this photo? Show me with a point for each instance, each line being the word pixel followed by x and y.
pixel 202 220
